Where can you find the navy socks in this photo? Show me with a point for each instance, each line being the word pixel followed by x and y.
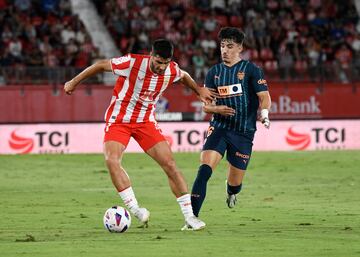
pixel 198 191
pixel 233 190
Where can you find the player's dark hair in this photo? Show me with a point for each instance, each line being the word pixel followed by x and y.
pixel 163 48
pixel 231 33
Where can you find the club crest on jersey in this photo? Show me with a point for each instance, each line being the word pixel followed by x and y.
pixel 241 75
pixel 216 77
pixel 230 90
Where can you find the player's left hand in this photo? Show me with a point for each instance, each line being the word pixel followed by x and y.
pixel 206 95
pixel 266 123
pixel 264 118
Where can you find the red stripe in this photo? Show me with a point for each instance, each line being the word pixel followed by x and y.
pixel 158 86
pixel 173 73
pixel 118 86
pixel 121 66
pixel 132 83
pixel 109 111
pixel 145 87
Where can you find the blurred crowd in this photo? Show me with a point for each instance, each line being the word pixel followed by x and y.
pixel 43 33
pixel 289 39
pixel 286 38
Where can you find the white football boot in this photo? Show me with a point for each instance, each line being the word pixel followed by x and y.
pixel 143 215
pixel 193 223
pixel 231 200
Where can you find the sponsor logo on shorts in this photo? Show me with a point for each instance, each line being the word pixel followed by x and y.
pixel 245 156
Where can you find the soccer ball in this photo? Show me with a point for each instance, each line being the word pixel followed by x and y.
pixel 117 219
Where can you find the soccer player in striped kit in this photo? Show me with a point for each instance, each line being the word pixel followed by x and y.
pixel 141 81
pixel 242 89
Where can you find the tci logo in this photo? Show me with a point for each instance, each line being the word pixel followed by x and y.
pixel 324 138
pixel 298 140
pixel 329 135
pixel 21 144
pixel 54 138
pixel 47 142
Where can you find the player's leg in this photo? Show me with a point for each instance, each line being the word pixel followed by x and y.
pixel 113 152
pixel 162 154
pixel 209 159
pixel 155 145
pixel 152 141
pixel 115 142
pixel 238 156
pixel 211 155
pixel 233 184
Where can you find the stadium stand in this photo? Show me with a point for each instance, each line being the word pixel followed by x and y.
pixel 37 34
pixel 309 50
pixel 291 40
pixel 296 40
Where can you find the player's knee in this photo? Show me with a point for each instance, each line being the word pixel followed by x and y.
pixel 170 167
pixel 112 161
pixel 204 172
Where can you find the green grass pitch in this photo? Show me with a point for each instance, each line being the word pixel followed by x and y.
pixel 292 204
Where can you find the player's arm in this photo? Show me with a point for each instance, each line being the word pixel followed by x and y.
pixel 205 94
pixel 99 66
pixel 219 109
pixel 261 88
pixel 265 104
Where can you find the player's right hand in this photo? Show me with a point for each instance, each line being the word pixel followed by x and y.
pixel 225 110
pixel 69 87
pixel 206 95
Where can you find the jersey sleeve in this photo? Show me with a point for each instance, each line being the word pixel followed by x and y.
pixel 258 81
pixel 210 79
pixel 177 72
pixel 121 65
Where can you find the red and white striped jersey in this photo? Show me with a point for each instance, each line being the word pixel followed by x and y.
pixel 137 89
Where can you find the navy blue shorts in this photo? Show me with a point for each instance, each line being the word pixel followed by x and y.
pixel 238 147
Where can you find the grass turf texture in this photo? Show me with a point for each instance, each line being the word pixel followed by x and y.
pixel 292 204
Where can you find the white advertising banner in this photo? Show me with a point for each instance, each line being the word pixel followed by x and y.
pixel 182 136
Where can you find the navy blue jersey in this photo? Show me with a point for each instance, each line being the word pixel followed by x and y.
pixel 237 86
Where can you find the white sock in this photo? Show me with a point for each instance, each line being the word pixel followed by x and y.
pixel 185 205
pixel 129 199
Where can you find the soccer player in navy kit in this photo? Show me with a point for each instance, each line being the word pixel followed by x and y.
pixel 242 89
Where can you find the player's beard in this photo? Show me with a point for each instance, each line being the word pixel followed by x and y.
pixel 155 69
